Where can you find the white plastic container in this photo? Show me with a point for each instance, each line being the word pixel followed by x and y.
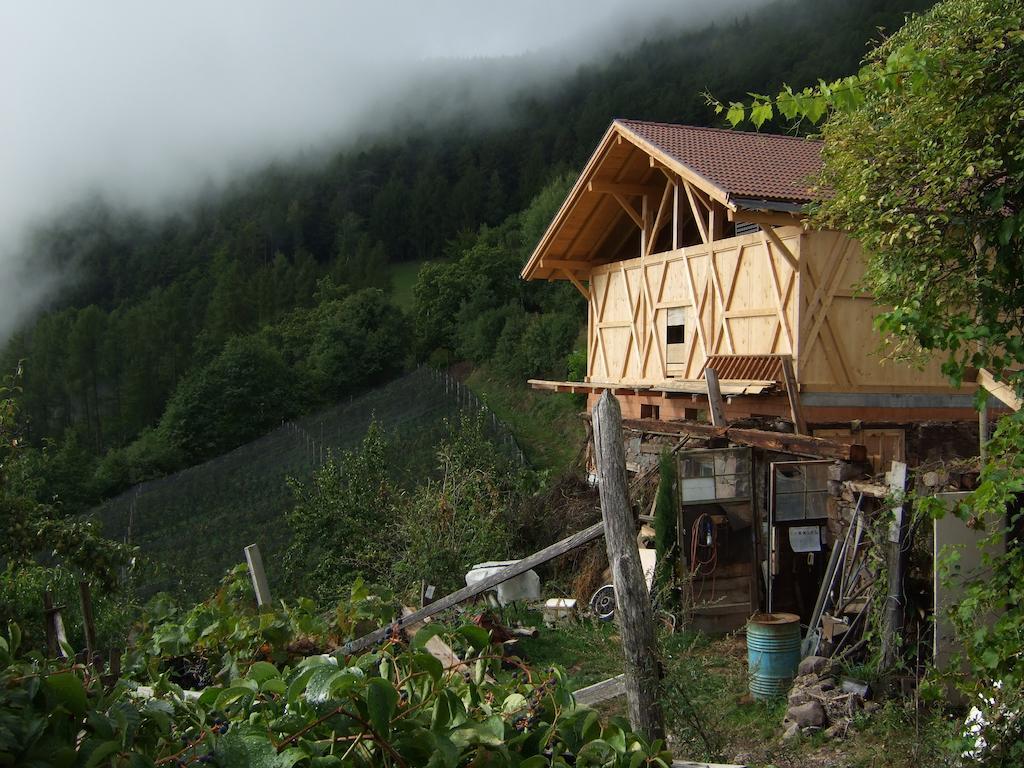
pixel 525 586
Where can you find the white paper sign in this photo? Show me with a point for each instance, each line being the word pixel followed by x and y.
pixel 805 538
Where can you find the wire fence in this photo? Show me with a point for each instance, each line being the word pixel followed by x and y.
pixel 192 526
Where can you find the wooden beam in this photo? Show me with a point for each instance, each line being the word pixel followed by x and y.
pixel 800 445
pixel 702 226
pixel 789 379
pixel 258 575
pixel 715 403
pixel 768 233
pixel 579 286
pixel 598 692
pixel 453 599
pixel 621 188
pixel 1001 390
pixel 766 219
pixel 633 612
pixel 658 219
pixel 628 208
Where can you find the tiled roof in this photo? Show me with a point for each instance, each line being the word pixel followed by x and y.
pixel 763 166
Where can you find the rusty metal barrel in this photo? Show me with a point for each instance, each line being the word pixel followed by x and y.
pixel 773 653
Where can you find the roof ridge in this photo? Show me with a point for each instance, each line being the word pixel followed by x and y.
pixel 713 129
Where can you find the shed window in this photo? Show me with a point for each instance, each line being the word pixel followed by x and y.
pixel 800 490
pixel 675 332
pixel 717 474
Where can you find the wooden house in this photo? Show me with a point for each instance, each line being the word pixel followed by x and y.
pixel 710 299
pixel 690 247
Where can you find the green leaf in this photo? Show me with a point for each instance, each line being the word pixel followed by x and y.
pixel 327 682
pixel 381 700
pixel 68 690
pixel 513 703
pixel 422 637
pixel 102 752
pixel 490 732
pixel 229 696
pixel 596 752
pixel 427 663
pixel 736 114
pixel 262 671
pixel 478 637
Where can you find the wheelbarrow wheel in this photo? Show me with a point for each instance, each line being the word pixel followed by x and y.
pixel 602 602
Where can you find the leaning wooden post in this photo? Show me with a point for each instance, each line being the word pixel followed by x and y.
pixel 632 601
pixel 88 622
pixel 259 577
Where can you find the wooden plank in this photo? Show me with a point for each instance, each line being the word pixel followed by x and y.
pixel 1004 392
pixel 789 378
pixel 633 612
pixel 461 595
pixel 598 692
pixel 899 530
pixel 258 576
pixel 579 286
pixel 621 188
pixel 715 404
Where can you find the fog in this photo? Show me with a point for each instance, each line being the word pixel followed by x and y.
pixel 145 103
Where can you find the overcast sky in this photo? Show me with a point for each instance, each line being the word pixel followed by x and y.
pixel 143 102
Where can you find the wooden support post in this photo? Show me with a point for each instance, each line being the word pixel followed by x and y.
pixel 56 638
pixel 715 404
pixel 88 622
pixel 257 574
pixel 632 600
pixel 892 620
pixel 793 393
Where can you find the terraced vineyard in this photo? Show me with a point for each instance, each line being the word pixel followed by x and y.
pixel 191 526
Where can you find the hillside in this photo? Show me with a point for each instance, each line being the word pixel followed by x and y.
pixel 191 526
pixel 182 337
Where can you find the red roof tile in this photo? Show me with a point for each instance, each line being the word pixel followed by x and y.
pixel 763 166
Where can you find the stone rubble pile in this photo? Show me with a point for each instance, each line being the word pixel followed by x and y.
pixel 817 702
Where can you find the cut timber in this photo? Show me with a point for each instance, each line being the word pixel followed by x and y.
pixel 800 445
pixel 868 489
pixel 448 601
pixel 598 692
pixel 1004 392
pixel 435 646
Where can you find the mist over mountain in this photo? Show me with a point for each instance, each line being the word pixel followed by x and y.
pixel 143 105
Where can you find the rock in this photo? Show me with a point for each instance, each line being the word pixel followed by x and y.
pixel 827 684
pixel 791 732
pixel 836 731
pixel 871 706
pixel 813 665
pixel 797 697
pixel 809 715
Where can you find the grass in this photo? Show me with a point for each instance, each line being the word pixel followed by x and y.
pixel 546 424
pixel 403 280
pixel 710 716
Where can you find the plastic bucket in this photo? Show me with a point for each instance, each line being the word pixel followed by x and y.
pixel 773 653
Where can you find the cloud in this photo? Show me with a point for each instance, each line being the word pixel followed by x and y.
pixel 145 103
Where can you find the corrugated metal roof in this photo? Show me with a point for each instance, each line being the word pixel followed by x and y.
pixel 753 165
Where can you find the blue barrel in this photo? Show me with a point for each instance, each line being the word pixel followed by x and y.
pixel 773 653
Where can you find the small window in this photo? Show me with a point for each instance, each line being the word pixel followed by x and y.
pixel 675 332
pixel 718 474
pixel 650 411
pixel 800 490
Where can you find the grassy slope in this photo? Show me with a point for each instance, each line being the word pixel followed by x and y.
pixel 547 425
pixel 403 280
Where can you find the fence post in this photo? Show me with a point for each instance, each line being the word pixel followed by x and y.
pixel 632 602
pixel 257 574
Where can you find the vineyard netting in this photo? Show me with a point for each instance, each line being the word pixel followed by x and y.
pixel 193 525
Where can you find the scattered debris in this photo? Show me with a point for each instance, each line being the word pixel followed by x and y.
pixel 558 609
pixel 816 703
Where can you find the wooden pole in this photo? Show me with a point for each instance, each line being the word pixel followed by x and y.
pixel 715 404
pixel 892 626
pixel 89 624
pixel 632 602
pixel 257 574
